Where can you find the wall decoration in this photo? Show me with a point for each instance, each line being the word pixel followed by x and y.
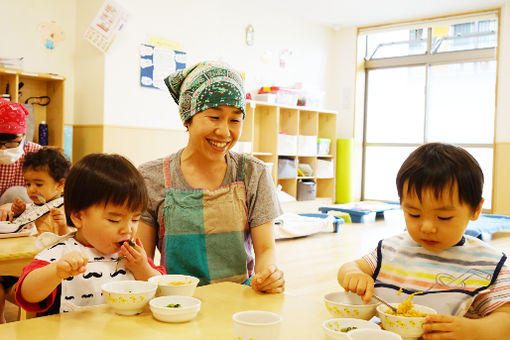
pixel 52 34
pixel 156 63
pixel 108 22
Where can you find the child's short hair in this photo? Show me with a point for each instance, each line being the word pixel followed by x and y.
pixel 47 159
pixel 436 165
pixel 102 179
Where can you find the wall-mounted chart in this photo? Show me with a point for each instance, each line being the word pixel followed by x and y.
pixel 156 63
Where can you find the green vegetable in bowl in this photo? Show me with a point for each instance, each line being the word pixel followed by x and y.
pixel 347 329
pixel 174 305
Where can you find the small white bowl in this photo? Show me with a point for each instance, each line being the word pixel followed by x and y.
pixel 188 309
pixel 174 284
pixel 407 327
pixel 349 305
pixel 371 334
pixel 7 227
pixel 332 327
pixel 128 297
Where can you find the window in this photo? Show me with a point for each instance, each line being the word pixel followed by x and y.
pixel 431 82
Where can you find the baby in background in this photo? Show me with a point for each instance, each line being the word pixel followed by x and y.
pixel 45 173
pixel 104 197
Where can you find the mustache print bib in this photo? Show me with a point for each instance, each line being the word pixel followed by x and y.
pixel 84 290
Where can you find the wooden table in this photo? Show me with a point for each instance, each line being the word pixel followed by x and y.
pixel 302 319
pixel 15 253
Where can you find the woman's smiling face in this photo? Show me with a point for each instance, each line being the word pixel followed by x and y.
pixel 437 223
pixel 214 131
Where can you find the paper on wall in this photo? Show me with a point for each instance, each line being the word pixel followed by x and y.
pixel 103 30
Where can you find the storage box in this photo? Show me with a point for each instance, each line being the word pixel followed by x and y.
pixel 325 168
pixel 323 145
pixel 306 190
pixel 307 145
pixel 287 144
pixel 269 98
pixel 287 168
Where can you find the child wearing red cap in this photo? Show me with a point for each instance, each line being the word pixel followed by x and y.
pixel 13 148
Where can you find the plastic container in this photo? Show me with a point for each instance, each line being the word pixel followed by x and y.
pixel 306 190
pixel 323 145
pixel 43 133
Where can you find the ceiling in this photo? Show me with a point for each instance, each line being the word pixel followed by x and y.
pixel 346 13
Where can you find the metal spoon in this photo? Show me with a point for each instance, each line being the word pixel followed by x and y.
pixel 385 302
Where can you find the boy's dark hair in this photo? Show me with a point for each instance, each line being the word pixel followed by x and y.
pixel 47 159
pixel 436 165
pixel 102 179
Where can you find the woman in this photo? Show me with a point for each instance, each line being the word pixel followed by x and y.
pixel 210 208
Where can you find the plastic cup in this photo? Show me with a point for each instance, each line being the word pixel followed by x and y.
pixel 256 325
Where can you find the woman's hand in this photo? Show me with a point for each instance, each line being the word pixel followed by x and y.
pixel 18 206
pixel 269 280
pixel 71 264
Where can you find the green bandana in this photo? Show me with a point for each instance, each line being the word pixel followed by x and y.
pixel 204 86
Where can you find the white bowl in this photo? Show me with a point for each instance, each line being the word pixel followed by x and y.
pixel 407 327
pixel 371 334
pixel 349 305
pixel 7 227
pixel 332 327
pixel 173 284
pixel 128 297
pixel 188 309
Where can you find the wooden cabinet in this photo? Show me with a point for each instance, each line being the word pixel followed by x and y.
pixel 22 85
pixel 273 132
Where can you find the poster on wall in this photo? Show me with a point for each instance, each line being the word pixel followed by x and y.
pixel 156 63
pixel 108 22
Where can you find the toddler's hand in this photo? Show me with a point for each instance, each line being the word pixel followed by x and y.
pixel 6 212
pixel 135 256
pixel 449 327
pixel 71 264
pixel 269 280
pixel 359 283
pixel 58 216
pixel 18 206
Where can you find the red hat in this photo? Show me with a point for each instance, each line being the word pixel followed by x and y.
pixel 12 117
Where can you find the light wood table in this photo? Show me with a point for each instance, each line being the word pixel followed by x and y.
pixel 15 253
pixel 302 319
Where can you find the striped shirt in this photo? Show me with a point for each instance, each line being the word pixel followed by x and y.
pixel 12 174
pixel 472 268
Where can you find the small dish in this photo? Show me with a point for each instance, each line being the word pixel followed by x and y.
pixel 174 308
pixel 335 329
pixel 370 334
pixel 128 297
pixel 7 227
pixel 174 284
pixel 349 305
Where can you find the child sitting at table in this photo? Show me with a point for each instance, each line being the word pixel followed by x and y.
pixel 464 279
pixel 104 196
pixel 44 171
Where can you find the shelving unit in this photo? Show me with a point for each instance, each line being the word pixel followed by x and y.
pixel 36 85
pixel 265 122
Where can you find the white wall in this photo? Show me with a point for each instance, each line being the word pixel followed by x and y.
pixel 209 30
pixel 503 100
pixel 19 21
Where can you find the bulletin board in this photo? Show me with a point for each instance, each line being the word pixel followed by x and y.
pixel 156 63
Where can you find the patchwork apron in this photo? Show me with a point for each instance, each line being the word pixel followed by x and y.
pixel 205 233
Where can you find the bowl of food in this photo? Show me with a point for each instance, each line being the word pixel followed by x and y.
pixel 7 227
pixel 173 284
pixel 128 297
pixel 406 322
pixel 371 334
pixel 349 305
pixel 174 308
pixel 338 328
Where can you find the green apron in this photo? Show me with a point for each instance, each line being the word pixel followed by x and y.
pixel 205 233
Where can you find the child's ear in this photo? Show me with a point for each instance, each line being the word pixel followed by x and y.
pixel 76 217
pixel 60 185
pixel 478 210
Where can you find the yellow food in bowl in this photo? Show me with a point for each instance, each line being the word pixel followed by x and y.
pixel 178 283
pixel 406 307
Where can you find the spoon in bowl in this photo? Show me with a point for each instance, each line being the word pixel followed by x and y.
pixel 385 302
